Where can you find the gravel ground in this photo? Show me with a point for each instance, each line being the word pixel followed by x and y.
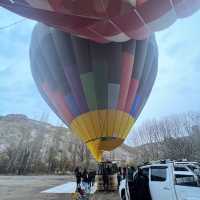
pixel 29 188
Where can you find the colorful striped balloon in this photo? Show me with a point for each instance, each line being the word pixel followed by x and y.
pixel 96 89
pixel 105 20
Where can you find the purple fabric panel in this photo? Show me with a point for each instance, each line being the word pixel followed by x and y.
pixel 72 105
pixel 74 81
pixel 135 105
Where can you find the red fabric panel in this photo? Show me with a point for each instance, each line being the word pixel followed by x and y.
pixel 102 9
pixel 106 28
pixel 51 18
pixel 59 103
pixel 88 8
pixel 133 27
pixel 56 4
pixel 106 17
pixel 153 9
pixel 131 94
pixel 89 34
pixel 127 67
pixel 140 2
pixel 186 8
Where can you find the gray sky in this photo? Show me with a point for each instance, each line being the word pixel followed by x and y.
pixel 176 89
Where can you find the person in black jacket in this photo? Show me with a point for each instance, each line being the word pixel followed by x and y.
pixel 131 171
pixel 85 180
pixel 91 178
pixel 141 187
pixel 106 179
pixel 78 176
pixel 119 178
pixel 124 172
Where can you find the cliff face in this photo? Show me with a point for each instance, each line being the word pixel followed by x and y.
pixel 39 146
pixel 36 146
pixel 18 130
pixel 30 146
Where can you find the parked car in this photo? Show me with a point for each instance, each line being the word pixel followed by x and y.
pixel 193 166
pixel 166 182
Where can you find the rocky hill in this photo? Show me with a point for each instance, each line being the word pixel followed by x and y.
pixel 29 145
pixel 22 132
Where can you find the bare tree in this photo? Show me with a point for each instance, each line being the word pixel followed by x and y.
pixel 172 137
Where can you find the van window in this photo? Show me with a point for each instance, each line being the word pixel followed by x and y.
pixel 185 180
pixel 158 173
pixel 145 171
pixel 193 168
pixel 180 168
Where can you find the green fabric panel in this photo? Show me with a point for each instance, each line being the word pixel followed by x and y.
pixel 101 85
pixel 99 54
pixel 89 90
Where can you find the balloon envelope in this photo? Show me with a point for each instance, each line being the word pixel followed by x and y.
pixel 105 20
pixel 96 89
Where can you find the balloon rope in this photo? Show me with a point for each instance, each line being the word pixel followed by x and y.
pixel 12 24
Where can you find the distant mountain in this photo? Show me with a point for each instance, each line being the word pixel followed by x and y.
pixel 18 130
pixel 30 145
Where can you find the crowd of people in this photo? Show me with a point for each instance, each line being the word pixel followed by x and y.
pixel 138 185
pixel 125 173
pixel 85 178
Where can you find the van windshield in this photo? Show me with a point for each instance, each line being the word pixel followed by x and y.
pixel 186 180
pixel 195 169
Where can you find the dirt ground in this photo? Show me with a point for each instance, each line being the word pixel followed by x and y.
pixel 29 188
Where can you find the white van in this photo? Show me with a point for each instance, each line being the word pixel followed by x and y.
pixel 193 166
pixel 166 183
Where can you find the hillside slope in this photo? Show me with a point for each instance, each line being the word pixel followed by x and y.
pixel 39 146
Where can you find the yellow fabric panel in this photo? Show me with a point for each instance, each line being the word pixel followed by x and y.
pixel 102 129
pixel 86 121
pixel 125 123
pixel 123 120
pixel 95 151
pixel 103 121
pixel 117 123
pixel 98 146
pixel 78 131
pixel 111 122
pixel 83 126
pixel 127 129
pixel 95 122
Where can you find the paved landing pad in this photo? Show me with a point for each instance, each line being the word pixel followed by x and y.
pixel 30 187
pixel 67 188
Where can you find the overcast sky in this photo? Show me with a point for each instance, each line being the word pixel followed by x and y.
pixel 176 89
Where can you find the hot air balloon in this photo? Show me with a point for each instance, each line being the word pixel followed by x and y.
pixel 105 20
pixel 98 90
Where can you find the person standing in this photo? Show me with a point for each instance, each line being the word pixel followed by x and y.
pixel 124 173
pixel 85 180
pixel 141 187
pixel 130 180
pixel 78 176
pixel 119 178
pixel 131 171
pixel 91 178
pixel 105 179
